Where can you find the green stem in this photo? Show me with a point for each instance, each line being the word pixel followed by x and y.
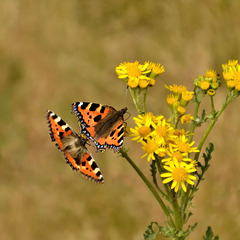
pixel 229 99
pixel 212 106
pixel 144 99
pixel 149 185
pixel 135 99
pixel 177 214
pixel 193 126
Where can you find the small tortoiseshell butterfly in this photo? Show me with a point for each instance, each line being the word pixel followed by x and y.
pixel 101 123
pixel 73 147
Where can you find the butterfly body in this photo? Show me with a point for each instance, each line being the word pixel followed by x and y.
pixel 73 147
pixel 101 123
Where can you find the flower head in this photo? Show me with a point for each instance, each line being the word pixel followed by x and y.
pixel 151 147
pixel 187 118
pixel 231 73
pixel 179 174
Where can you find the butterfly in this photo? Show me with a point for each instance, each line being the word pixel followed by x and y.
pixel 103 124
pixel 73 147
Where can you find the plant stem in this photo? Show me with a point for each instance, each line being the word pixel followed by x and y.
pixel 229 99
pixel 135 99
pixel 193 126
pixel 144 99
pixel 149 185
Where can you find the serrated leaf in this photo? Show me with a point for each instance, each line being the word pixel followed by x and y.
pixel 209 234
pixel 150 234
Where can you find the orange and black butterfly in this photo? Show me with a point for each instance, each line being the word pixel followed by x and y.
pixel 73 147
pixel 103 124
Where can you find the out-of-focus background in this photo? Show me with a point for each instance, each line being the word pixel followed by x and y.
pixel 53 53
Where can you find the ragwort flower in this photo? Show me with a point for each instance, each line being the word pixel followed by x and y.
pixel 179 174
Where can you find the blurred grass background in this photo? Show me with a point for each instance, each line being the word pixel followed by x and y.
pixel 53 53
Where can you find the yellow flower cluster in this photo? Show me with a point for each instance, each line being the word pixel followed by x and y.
pixel 179 100
pixel 208 83
pixel 139 75
pixel 160 140
pixel 231 73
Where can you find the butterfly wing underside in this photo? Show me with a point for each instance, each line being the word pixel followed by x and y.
pixel 73 147
pixel 102 124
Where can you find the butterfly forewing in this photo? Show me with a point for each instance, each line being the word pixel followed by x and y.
pixel 100 123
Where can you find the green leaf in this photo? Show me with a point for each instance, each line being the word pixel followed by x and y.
pixel 204 167
pixel 150 234
pixel 209 235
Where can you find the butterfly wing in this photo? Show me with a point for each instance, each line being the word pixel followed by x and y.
pixel 73 147
pixel 102 124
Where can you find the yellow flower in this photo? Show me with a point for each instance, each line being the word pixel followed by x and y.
pixel 131 70
pixel 211 74
pixel 231 83
pixel 211 92
pixel 163 131
pixel 181 110
pixel 140 132
pixel 147 119
pixel 232 62
pixel 179 174
pixel 187 96
pixel 186 118
pixel 231 73
pixel 176 155
pixel 152 82
pixel 172 100
pixel 156 68
pixel 176 89
pixel 183 146
pixel 133 82
pixel 204 85
pixel 151 147
pixel 143 83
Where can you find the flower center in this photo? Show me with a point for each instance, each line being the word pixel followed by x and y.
pixel 150 147
pixel 144 131
pixel 179 174
pixel 161 131
pixel 183 147
pixel 133 70
pixel 178 156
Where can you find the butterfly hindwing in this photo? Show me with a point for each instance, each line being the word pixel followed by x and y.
pixel 102 124
pixel 73 147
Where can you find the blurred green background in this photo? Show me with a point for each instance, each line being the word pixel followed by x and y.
pixel 53 53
